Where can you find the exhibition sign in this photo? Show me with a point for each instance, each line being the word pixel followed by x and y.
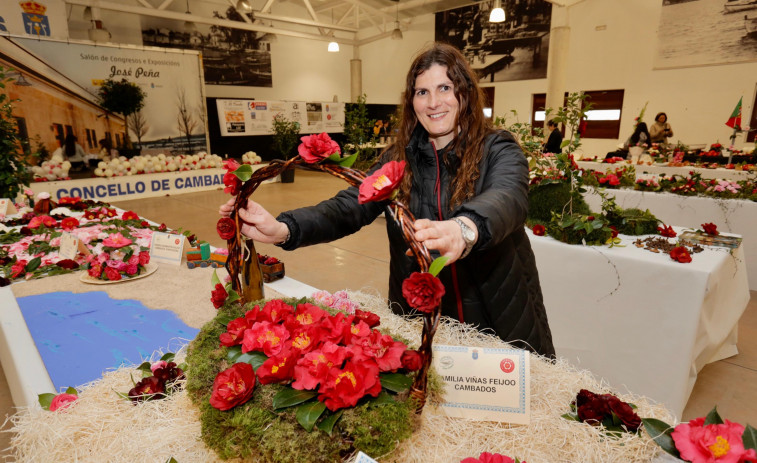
pixel 255 117
pixel 44 18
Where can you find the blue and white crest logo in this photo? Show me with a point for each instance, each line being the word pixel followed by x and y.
pixel 35 21
pixel 475 354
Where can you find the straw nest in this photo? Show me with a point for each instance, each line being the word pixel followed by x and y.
pixel 101 426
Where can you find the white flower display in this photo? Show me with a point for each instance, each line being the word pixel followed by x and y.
pixel 251 157
pixel 54 169
pixel 149 164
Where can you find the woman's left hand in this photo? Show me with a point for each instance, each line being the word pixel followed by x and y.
pixel 444 236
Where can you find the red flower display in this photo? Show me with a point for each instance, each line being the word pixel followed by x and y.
pixel 667 231
pixel 314 148
pixel 218 296
pixel 382 183
pixel 345 386
pixel 423 291
pixel 680 254
pixel 233 386
pixel 539 230
pixel 710 229
pixel 69 223
pixel 62 401
pixel 226 228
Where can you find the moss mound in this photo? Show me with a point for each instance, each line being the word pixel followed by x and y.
pixel 633 221
pixel 545 198
pixel 253 431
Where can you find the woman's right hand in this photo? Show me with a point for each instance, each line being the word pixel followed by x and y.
pixel 257 223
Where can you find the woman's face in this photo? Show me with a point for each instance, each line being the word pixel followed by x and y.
pixel 662 118
pixel 435 104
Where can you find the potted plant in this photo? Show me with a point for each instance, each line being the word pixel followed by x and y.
pixel 13 168
pixel 285 137
pixel 358 134
pixel 125 98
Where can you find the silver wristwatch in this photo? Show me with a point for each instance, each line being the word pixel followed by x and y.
pixel 469 236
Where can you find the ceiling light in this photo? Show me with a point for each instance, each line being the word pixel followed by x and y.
pixel 87 16
pixel 498 14
pixel 397 33
pixel 21 81
pixel 189 26
pixel 333 47
pixel 243 5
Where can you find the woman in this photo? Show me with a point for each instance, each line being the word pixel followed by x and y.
pixel 468 187
pixel 554 140
pixel 72 152
pixel 660 130
pixel 639 137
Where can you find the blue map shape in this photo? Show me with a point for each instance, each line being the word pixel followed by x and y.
pixel 82 335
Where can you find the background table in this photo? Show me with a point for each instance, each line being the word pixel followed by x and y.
pixel 662 169
pixel 641 320
pixel 730 215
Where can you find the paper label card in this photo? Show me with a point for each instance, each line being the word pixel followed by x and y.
pixel 363 458
pixel 484 383
pixel 167 248
pixel 71 246
pixel 6 207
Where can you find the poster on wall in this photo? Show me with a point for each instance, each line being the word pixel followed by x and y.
pixel 706 32
pixel 515 49
pixel 173 116
pixel 39 19
pixel 229 56
pixel 255 117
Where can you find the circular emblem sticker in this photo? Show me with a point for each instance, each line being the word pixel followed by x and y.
pixel 507 365
pixel 176 242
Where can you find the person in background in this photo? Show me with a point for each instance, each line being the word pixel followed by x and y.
pixel 72 152
pixel 639 137
pixel 467 185
pixel 660 130
pixel 554 140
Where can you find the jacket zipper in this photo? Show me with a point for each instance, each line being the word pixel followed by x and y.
pixel 453 267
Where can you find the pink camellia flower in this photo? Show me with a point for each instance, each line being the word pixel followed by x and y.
pixel 116 240
pixel 721 443
pixel 132 269
pixel 158 364
pixel 317 147
pixel 62 401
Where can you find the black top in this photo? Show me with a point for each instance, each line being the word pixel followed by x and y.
pixel 553 142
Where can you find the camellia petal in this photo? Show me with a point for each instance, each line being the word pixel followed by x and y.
pixel 382 183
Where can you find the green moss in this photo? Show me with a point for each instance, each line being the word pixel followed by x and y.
pixel 252 431
pixel 546 198
pixel 633 221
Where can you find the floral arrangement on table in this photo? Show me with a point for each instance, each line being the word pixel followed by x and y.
pixel 622 176
pixel 148 164
pixel 289 374
pixel 159 380
pixel 605 410
pixel 53 169
pixel 251 157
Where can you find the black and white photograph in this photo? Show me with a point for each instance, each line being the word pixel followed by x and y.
pixel 514 49
pixel 706 32
pixel 230 56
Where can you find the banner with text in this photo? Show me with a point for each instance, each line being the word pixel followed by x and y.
pixel 255 117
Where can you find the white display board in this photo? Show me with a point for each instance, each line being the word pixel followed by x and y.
pixel 255 117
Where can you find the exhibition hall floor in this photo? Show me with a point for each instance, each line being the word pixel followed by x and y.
pixel 361 262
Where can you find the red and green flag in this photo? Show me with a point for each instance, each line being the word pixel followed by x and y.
pixel 734 121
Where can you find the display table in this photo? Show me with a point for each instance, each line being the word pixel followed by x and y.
pixel 662 169
pixel 639 319
pixel 730 215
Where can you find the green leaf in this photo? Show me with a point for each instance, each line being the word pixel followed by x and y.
pixel 570 417
pixel 214 280
pixel 168 357
pixel 235 355
pixel 749 438
pixel 45 400
pixel 713 417
pixel 225 318
pixel 33 264
pixel 395 382
pixel 233 296
pixel 144 366
pixel 327 424
pixel 661 432
pixel 437 265
pixel 335 157
pixel 288 397
pixel 382 399
pixel 348 161
pixel 172 460
pixel 72 391
pixel 308 413
pixel 301 301
pixel 243 172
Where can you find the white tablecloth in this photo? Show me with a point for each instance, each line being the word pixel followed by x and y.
pixel 641 320
pixel 659 169
pixel 730 215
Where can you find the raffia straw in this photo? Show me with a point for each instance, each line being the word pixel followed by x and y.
pixel 100 426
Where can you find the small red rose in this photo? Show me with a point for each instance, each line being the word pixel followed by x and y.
pixel 539 230
pixel 62 401
pixel 112 274
pixel 226 228
pixel 423 291
pixel 680 254
pixel 218 296
pixel 233 386
pixel 710 229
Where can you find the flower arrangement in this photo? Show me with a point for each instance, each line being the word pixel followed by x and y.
pixel 605 410
pixel 53 169
pixel 117 257
pixel 159 380
pixel 148 164
pixel 250 157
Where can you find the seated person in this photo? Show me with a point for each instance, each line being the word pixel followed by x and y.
pixel 660 130
pixel 72 152
pixel 554 141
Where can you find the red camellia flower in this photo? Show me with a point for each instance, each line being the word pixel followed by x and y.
pixel 624 412
pixel 667 231
pixel 112 274
pixel 614 231
pixel 62 401
pixel 710 229
pixel 130 215
pixel 423 291
pixel 232 183
pixel 590 407
pixel 680 254
pixel 381 348
pixel 18 268
pixel 265 337
pixel 382 183
pixel 218 296
pixel 279 368
pixel 487 457
pixel 276 311
pixel 95 271
pixel 317 147
pixel 539 230
pixel 412 360
pixel 69 223
pixel 233 386
pixel 313 368
pixel 713 442
pixel 144 258
pixel 67 264
pixel 226 228
pixel 345 386
pixel 146 389
pixel 234 332
pixel 230 165
pixel 370 318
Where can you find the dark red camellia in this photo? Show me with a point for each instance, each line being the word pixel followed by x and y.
pixel 614 231
pixel 382 183
pixel 218 296
pixel 146 389
pixel 233 386
pixel 26 231
pixel 624 412
pixel 370 318
pixel 591 408
pixel 67 264
pixel 411 360
pixel 667 231
pixel 317 147
pixel 423 291
pixel 226 228
pixel 169 374
pixel 710 229
pixel 538 230
pixel 69 223
pixel 680 254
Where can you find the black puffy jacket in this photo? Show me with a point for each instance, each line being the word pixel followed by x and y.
pixel 496 286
